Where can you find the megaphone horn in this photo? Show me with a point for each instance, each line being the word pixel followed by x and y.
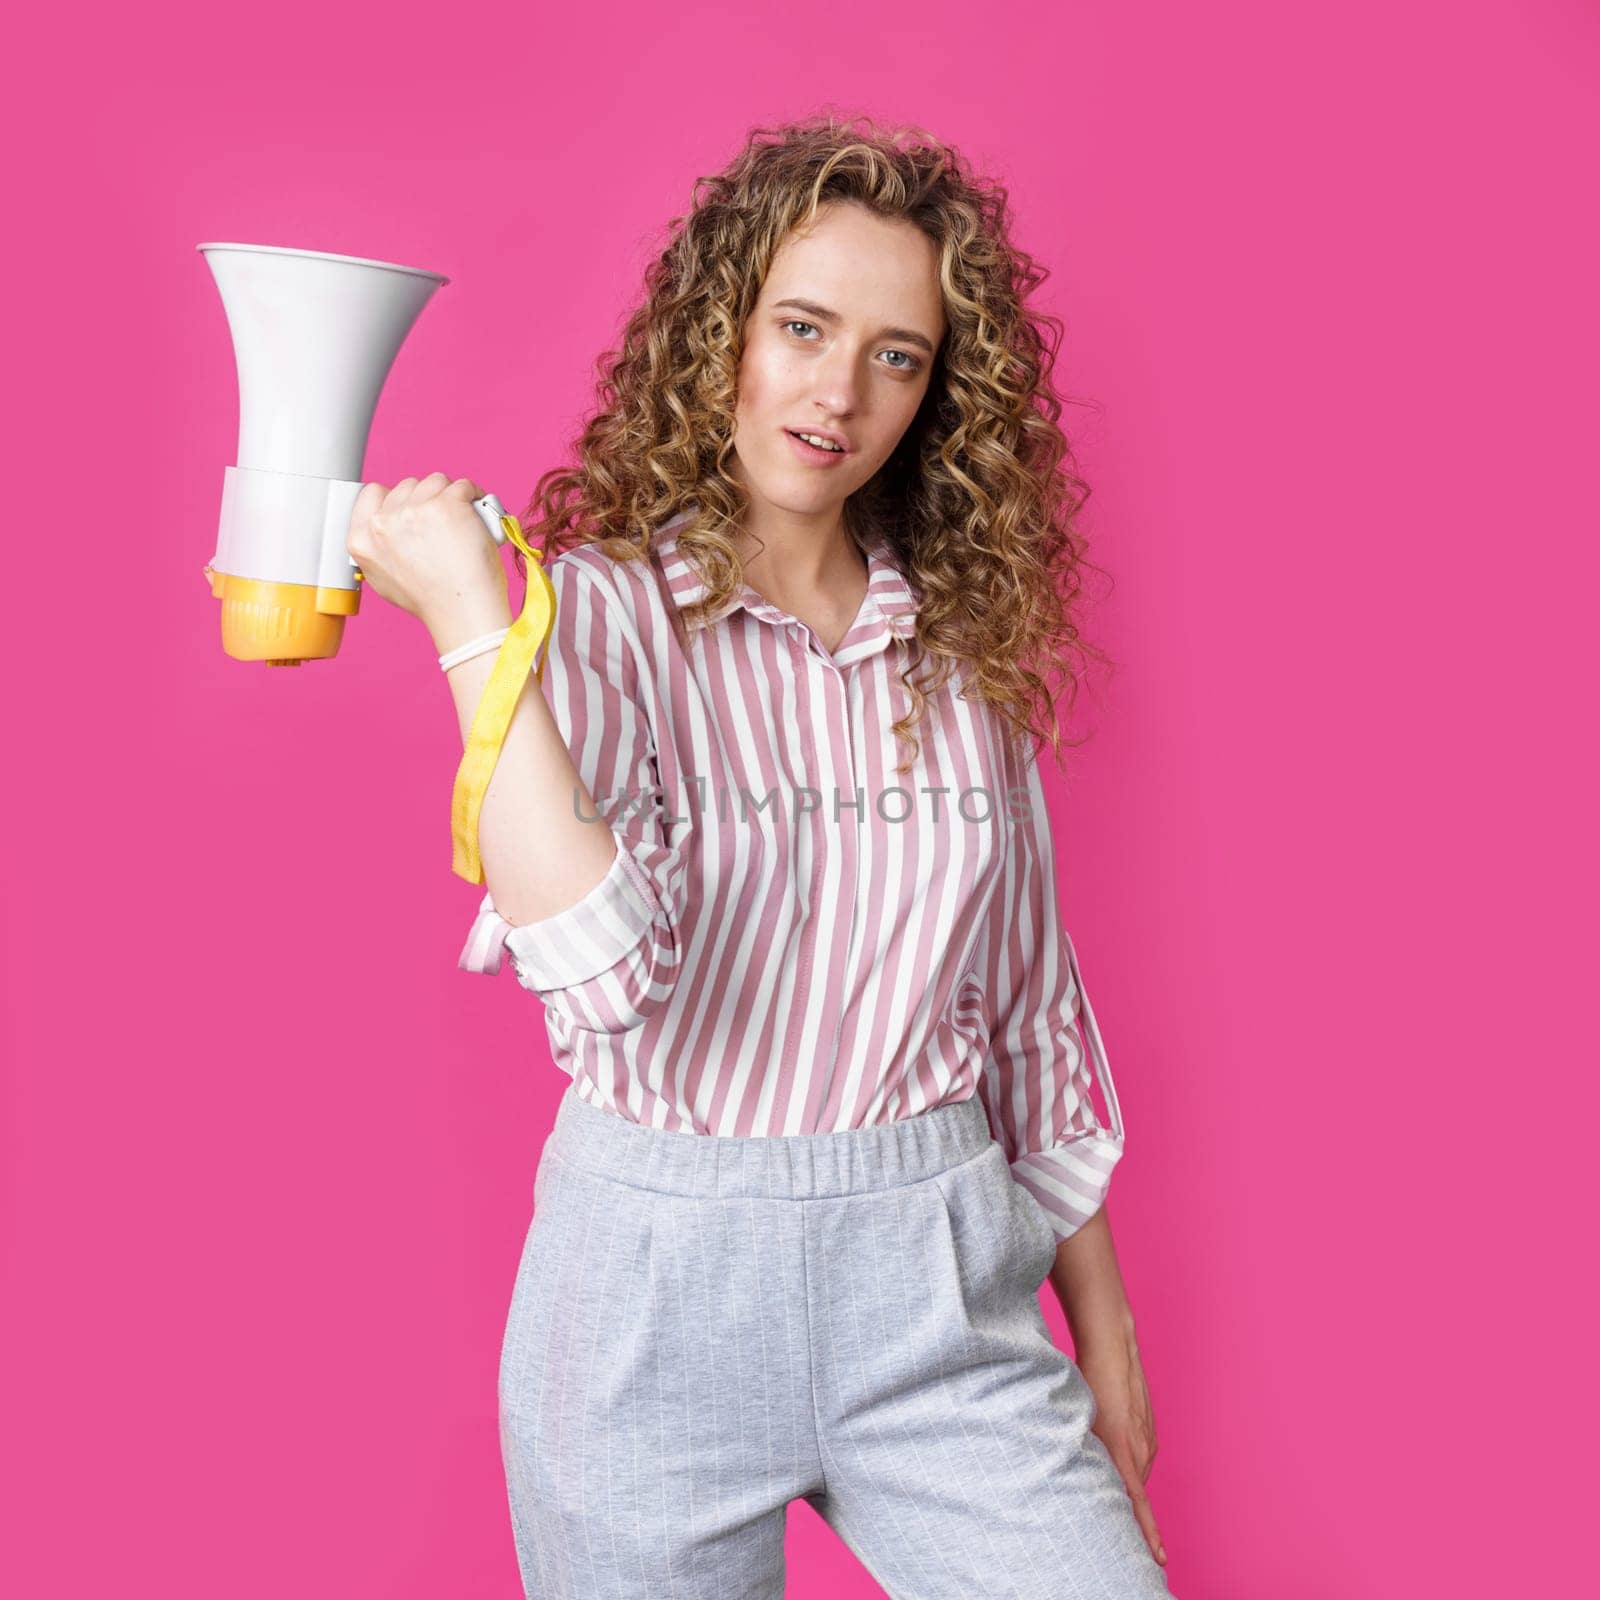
pixel 314 336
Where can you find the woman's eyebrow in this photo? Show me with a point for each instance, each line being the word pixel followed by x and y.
pixel 823 314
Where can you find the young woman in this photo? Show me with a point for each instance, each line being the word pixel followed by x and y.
pixel 771 848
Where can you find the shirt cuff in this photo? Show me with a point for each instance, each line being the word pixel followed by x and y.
pixel 485 948
pixel 1070 1181
pixel 576 944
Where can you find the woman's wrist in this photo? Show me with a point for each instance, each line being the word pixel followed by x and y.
pixel 467 618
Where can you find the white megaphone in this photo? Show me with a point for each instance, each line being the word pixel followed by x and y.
pixel 314 337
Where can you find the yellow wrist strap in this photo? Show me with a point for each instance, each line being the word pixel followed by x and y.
pixel 499 702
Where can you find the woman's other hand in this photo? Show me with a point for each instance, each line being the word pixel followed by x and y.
pixel 1125 1423
pixel 423 548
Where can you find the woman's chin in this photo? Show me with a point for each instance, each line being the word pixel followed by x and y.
pixel 798 499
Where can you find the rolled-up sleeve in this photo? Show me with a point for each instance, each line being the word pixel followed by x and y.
pixel 609 960
pixel 1040 1066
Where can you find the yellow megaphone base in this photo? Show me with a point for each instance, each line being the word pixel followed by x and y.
pixel 282 624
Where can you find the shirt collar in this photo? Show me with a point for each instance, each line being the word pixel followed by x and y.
pixel 889 593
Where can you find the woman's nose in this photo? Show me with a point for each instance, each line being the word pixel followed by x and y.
pixel 836 383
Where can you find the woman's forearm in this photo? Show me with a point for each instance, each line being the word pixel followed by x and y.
pixel 1087 1279
pixel 539 856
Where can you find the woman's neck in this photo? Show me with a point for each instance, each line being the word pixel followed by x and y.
pixel 796 562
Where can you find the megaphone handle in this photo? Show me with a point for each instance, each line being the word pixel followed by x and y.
pixel 494 516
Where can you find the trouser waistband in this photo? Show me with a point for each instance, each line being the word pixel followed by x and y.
pixel 800 1166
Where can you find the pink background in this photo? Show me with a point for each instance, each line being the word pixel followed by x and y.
pixel 1328 279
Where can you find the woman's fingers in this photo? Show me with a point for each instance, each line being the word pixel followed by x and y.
pixel 1133 1481
pixel 420 540
pixel 370 496
pixel 368 499
pixel 427 488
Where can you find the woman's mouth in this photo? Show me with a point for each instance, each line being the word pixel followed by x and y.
pixel 816 455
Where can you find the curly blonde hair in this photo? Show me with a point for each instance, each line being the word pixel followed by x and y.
pixel 977 502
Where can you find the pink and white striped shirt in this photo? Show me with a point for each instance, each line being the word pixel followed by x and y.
pixel 793 937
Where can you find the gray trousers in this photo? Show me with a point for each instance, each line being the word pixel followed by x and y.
pixel 706 1328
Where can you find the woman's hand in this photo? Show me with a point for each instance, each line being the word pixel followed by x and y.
pixel 1088 1281
pixel 423 548
pixel 1125 1423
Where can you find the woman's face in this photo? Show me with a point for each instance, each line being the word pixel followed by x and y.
pixel 841 342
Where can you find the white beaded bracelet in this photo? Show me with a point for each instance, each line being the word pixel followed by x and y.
pixel 473 647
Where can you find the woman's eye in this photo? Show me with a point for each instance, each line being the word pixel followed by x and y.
pixel 910 363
